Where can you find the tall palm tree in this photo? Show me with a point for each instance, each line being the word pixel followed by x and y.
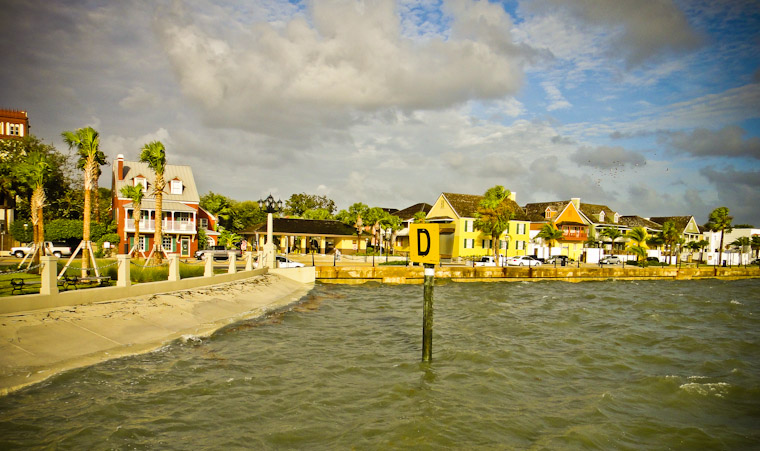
pixel 135 192
pixel 670 236
pixel 719 221
pixel 743 242
pixel 550 234
pixel 154 153
pixel 33 172
pixel 613 234
pixel 493 215
pixel 639 236
pixel 100 159
pixel 87 142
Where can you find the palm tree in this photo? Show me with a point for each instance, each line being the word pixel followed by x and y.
pixel 719 221
pixel 154 154
pixel 493 215
pixel 33 171
pixel 670 237
pixel 693 246
pixel 87 142
pixel 742 243
pixel 136 194
pixel 639 236
pixel 755 245
pixel 550 234
pixel 613 234
pixel 100 160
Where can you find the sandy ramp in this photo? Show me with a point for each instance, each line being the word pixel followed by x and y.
pixel 38 344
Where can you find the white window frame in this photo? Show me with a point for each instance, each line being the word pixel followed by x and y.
pixel 203 222
pixel 163 242
pixel 176 186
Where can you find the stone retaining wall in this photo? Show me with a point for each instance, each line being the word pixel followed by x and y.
pixel 414 275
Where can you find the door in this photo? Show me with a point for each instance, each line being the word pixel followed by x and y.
pixel 185 247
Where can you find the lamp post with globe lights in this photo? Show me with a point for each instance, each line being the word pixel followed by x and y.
pixel 269 206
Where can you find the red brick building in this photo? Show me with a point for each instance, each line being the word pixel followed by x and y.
pixel 13 124
pixel 182 215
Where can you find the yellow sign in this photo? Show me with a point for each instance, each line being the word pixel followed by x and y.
pixel 424 243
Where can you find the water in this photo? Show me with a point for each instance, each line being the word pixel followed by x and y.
pixel 547 365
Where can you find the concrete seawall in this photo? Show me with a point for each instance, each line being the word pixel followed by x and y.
pixel 414 275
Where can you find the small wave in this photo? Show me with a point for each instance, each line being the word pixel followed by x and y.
pixel 191 339
pixel 718 389
pixel 735 302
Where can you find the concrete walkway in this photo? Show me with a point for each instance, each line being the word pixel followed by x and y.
pixel 36 345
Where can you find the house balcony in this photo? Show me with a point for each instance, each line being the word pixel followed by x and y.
pixel 574 235
pixel 167 226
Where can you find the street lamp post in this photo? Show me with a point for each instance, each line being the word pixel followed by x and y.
pixel 269 206
pixel 389 234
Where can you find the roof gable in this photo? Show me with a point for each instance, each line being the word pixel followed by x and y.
pixel 570 215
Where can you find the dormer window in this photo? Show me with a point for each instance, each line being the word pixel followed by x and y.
pixel 601 216
pixel 176 186
pixel 140 180
pixel 549 213
pixel 616 218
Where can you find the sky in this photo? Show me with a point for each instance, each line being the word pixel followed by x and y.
pixel 651 107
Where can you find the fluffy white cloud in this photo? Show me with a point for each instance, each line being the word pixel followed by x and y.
pixel 343 58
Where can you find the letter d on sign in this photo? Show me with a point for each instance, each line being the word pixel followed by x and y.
pixel 420 251
pixel 424 243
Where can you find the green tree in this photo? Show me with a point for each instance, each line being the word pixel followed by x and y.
pixel 353 218
pixel 33 171
pixel 742 243
pixel 639 236
pixel 719 221
pixel 298 204
pixel 220 206
pixel 755 245
pixel 228 238
pixel 154 154
pixel 420 217
pixel 87 142
pixel 550 234
pixel 493 215
pixel 670 236
pixel 318 213
pixel 136 193
pixel 613 234
pixel 394 223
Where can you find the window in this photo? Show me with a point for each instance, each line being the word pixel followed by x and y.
pixel 167 243
pixel 601 216
pixel 549 213
pixel 503 244
pixel 143 243
pixel 469 243
pixel 616 218
pixel 487 244
pixel 204 224
pixel 176 186
pixel 141 181
pixel 468 225
pixel 520 245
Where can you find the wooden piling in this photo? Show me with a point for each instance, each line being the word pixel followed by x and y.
pixel 427 314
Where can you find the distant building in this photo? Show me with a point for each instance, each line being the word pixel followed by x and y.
pixel 306 236
pixel 14 124
pixel 182 215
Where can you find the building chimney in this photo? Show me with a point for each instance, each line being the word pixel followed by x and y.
pixel 577 202
pixel 120 167
pixel 513 196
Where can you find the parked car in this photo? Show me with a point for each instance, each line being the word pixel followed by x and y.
pixel 219 253
pixel 559 259
pixel 284 262
pixel 523 260
pixel 54 248
pixel 487 260
pixel 610 260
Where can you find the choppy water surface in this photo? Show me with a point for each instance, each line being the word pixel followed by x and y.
pixel 604 365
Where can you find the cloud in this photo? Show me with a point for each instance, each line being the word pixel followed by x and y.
pixel 606 157
pixel 738 189
pixel 641 30
pixel 339 61
pixel 730 141
pixel 557 100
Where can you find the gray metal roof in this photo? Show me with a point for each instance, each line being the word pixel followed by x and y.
pixel 134 169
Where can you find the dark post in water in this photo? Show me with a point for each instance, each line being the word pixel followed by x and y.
pixel 427 314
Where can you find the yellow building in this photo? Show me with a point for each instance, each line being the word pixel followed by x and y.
pixel 460 239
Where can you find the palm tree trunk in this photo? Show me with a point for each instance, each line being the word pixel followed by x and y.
pixel 137 213
pixel 158 235
pixel 720 251
pixel 86 232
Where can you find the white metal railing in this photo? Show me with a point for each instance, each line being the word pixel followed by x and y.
pixel 149 225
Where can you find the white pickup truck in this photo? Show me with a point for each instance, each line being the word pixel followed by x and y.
pixel 57 249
